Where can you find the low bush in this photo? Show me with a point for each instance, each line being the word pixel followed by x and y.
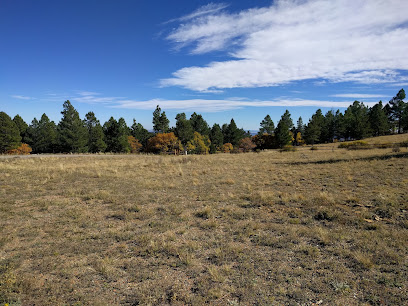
pixel 288 148
pixel 355 145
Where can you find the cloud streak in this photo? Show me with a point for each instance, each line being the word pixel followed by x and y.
pixel 21 97
pixel 207 105
pixel 340 41
pixel 358 95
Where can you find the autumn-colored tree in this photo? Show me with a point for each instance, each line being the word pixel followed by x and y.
pixel 164 142
pixel 265 141
pixel 299 140
pixel 246 145
pixel 227 148
pixel 200 144
pixel 23 149
pixel 135 145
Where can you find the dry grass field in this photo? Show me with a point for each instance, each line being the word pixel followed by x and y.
pixel 324 227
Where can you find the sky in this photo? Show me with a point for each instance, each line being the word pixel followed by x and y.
pixel 236 59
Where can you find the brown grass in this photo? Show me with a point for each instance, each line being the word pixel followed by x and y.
pixel 328 227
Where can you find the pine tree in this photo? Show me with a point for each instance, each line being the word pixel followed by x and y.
pixel 397 109
pixel 267 126
pixel 116 133
pixel 232 134
pixel 124 132
pixel 31 134
pixel 199 124
pixel 312 132
pixel 378 119
pixel 96 143
pixel 9 134
pixel 300 127
pixel 72 134
pixel 45 136
pixel 22 126
pixel 356 121
pixel 339 125
pixel 217 138
pixel 329 127
pixel 140 133
pixel 184 130
pixel 283 136
pixel 160 121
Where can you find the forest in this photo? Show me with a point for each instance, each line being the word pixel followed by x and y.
pixel 194 135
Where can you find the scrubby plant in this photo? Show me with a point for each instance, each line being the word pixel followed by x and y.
pixel 288 148
pixel 23 149
pixel 355 145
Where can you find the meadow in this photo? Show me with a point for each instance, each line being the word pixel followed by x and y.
pixel 321 227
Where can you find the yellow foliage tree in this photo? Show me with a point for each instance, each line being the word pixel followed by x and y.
pixel 135 145
pixel 164 143
pixel 23 149
pixel 199 144
pixel 299 139
pixel 227 147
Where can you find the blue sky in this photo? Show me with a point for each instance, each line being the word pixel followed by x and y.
pixel 240 59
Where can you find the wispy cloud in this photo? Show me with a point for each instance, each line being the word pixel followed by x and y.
pixel 201 104
pixel 358 95
pixel 22 97
pixel 94 98
pixel 339 41
pixel 209 9
pixel 207 105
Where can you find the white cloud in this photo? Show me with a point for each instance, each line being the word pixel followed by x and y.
pixel 94 98
pixel 205 105
pixel 208 9
pixel 358 95
pixel 340 41
pixel 21 97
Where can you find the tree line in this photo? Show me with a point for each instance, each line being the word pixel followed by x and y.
pixel 75 135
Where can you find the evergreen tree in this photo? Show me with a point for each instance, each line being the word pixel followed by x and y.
pixel 397 109
pixel 199 124
pixel 160 121
pixel 232 134
pixel 116 133
pixel 339 125
pixel 356 121
pixel 72 134
pixel 183 130
pixel 312 132
pixel 300 127
pixel 318 125
pixel 405 118
pixel 329 127
pixel 217 138
pixel 267 126
pixel 45 136
pixel 283 136
pixel 9 133
pixel 22 126
pixel 95 134
pixel 31 134
pixel 378 120
pixel 140 133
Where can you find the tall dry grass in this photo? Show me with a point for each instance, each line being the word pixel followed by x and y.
pixel 324 226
